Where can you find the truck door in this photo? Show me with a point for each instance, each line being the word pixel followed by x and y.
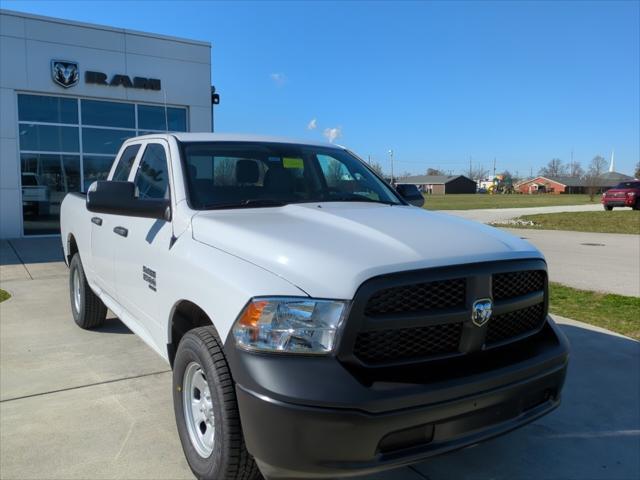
pixel 143 245
pixel 102 225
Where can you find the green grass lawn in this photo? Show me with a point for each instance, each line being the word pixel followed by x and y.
pixel 614 312
pixel 4 295
pixel 616 221
pixel 474 201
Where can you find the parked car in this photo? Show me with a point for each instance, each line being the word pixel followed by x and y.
pixel 313 332
pixel 35 196
pixel 625 194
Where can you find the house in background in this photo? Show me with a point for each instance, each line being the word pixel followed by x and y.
pixel 558 185
pixel 440 184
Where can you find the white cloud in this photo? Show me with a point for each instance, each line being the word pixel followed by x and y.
pixel 313 124
pixel 332 133
pixel 278 78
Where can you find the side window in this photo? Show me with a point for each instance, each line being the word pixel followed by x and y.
pixel 125 163
pixel 152 177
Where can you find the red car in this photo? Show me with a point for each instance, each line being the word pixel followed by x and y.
pixel 625 194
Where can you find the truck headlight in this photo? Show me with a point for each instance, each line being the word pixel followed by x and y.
pixel 289 325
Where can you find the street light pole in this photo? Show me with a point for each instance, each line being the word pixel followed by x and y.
pixel 391 156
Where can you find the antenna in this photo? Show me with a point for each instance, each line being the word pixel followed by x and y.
pixel 612 165
pixel 166 113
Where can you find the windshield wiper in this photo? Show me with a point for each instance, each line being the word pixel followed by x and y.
pixel 357 198
pixel 249 203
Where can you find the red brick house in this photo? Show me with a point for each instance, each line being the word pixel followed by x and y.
pixel 542 184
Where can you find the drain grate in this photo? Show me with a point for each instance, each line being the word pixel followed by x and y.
pixel 589 244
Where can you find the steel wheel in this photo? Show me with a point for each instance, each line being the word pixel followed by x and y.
pixel 198 409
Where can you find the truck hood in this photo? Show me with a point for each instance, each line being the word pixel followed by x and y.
pixel 329 249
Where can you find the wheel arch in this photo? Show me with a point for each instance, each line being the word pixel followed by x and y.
pixel 185 315
pixel 72 248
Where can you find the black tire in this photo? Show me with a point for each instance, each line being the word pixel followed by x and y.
pixel 608 208
pixel 229 458
pixel 89 312
pixel 636 206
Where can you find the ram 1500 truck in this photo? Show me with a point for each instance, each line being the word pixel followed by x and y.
pixel 318 324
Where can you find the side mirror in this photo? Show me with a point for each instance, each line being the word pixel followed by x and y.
pixel 118 198
pixel 411 194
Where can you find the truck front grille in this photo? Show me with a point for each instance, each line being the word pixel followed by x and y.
pixel 515 324
pixel 420 297
pixel 513 284
pixel 382 346
pixel 411 321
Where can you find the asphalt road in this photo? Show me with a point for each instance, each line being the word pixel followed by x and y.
pixel 605 262
pixel 78 404
pixel 490 215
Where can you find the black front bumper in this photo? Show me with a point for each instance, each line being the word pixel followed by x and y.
pixel 310 417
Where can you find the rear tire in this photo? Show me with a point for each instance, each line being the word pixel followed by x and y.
pixel 87 309
pixel 636 206
pixel 608 208
pixel 210 431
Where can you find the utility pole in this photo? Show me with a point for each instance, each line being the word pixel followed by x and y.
pixel 494 167
pixel 391 156
pixel 470 167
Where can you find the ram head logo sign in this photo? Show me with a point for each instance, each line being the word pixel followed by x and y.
pixel 481 311
pixel 65 73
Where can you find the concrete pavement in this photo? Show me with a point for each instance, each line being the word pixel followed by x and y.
pixel 80 404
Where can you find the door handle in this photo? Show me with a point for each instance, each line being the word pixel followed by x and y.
pixel 97 221
pixel 123 232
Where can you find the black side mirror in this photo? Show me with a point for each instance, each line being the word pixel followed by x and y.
pixel 411 194
pixel 118 198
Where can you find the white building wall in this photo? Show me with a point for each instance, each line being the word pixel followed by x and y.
pixel 28 43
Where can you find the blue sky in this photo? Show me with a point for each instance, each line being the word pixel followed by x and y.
pixel 436 82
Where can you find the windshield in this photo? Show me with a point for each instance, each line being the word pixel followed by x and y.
pixel 628 185
pixel 247 174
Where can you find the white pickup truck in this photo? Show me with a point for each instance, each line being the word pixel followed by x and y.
pixel 317 323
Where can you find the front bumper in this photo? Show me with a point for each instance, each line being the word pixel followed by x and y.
pixel 307 417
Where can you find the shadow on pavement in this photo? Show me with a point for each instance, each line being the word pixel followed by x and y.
pixel 113 325
pixel 595 433
pixel 31 250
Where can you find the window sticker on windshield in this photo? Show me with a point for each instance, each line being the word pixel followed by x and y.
pixel 289 162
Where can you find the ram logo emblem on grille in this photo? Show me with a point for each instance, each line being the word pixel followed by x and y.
pixel 481 311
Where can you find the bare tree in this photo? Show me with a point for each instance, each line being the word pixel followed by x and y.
pixel 434 171
pixel 554 168
pixel 377 167
pixel 597 167
pixel 574 169
pixel 477 173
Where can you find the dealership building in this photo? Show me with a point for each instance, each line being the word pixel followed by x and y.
pixel 70 93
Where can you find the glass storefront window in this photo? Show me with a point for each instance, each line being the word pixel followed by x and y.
pixel 46 179
pixel 96 167
pixel 108 114
pixel 104 140
pixel 154 118
pixel 67 143
pixel 48 138
pixel 38 108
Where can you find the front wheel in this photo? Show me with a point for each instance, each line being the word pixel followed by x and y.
pixel 608 208
pixel 206 410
